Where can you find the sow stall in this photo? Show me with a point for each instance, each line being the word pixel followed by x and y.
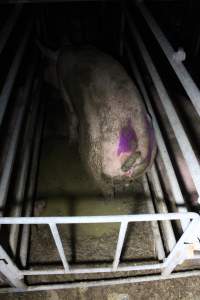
pixel 171 188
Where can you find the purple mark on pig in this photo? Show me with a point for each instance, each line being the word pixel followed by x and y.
pixel 127 139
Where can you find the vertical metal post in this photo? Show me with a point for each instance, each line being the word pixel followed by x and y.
pixel 59 245
pixel 155 228
pixel 162 208
pixel 120 242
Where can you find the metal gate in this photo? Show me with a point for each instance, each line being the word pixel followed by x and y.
pixel 184 248
pixel 187 247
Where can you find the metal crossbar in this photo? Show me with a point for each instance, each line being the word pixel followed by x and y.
pixel 180 252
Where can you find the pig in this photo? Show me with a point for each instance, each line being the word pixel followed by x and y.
pixel 115 133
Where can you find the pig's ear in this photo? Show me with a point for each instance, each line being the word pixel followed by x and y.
pixel 47 52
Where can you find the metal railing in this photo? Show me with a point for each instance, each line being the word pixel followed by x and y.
pixel 179 253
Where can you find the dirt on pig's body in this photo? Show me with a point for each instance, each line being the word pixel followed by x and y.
pixel 116 138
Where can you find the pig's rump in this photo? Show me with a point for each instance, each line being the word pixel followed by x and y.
pixel 116 137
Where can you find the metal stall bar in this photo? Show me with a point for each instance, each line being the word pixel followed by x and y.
pixel 185 78
pixel 9 25
pixel 74 270
pixel 176 192
pixel 52 221
pixel 98 219
pixel 174 120
pixel 156 232
pixel 101 283
pixel 23 169
pixel 56 236
pixel 13 141
pixel 10 79
pixel 108 282
pixel 10 271
pixel 179 251
pixel 161 206
pixel 24 245
pixel 120 242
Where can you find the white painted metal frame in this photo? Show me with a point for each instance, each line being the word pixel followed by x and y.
pixel 179 253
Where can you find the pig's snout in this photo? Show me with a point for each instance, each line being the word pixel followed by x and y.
pixel 130 161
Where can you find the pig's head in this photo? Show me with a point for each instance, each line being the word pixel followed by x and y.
pixel 128 152
pixel 128 156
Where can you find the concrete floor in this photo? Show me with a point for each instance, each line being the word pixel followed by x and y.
pixel 184 289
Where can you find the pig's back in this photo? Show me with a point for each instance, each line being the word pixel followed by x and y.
pixel 89 74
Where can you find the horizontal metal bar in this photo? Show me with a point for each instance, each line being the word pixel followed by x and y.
pixel 179 131
pixel 56 236
pixel 10 79
pixel 9 25
pixel 92 270
pixel 99 219
pixel 185 78
pixel 99 283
